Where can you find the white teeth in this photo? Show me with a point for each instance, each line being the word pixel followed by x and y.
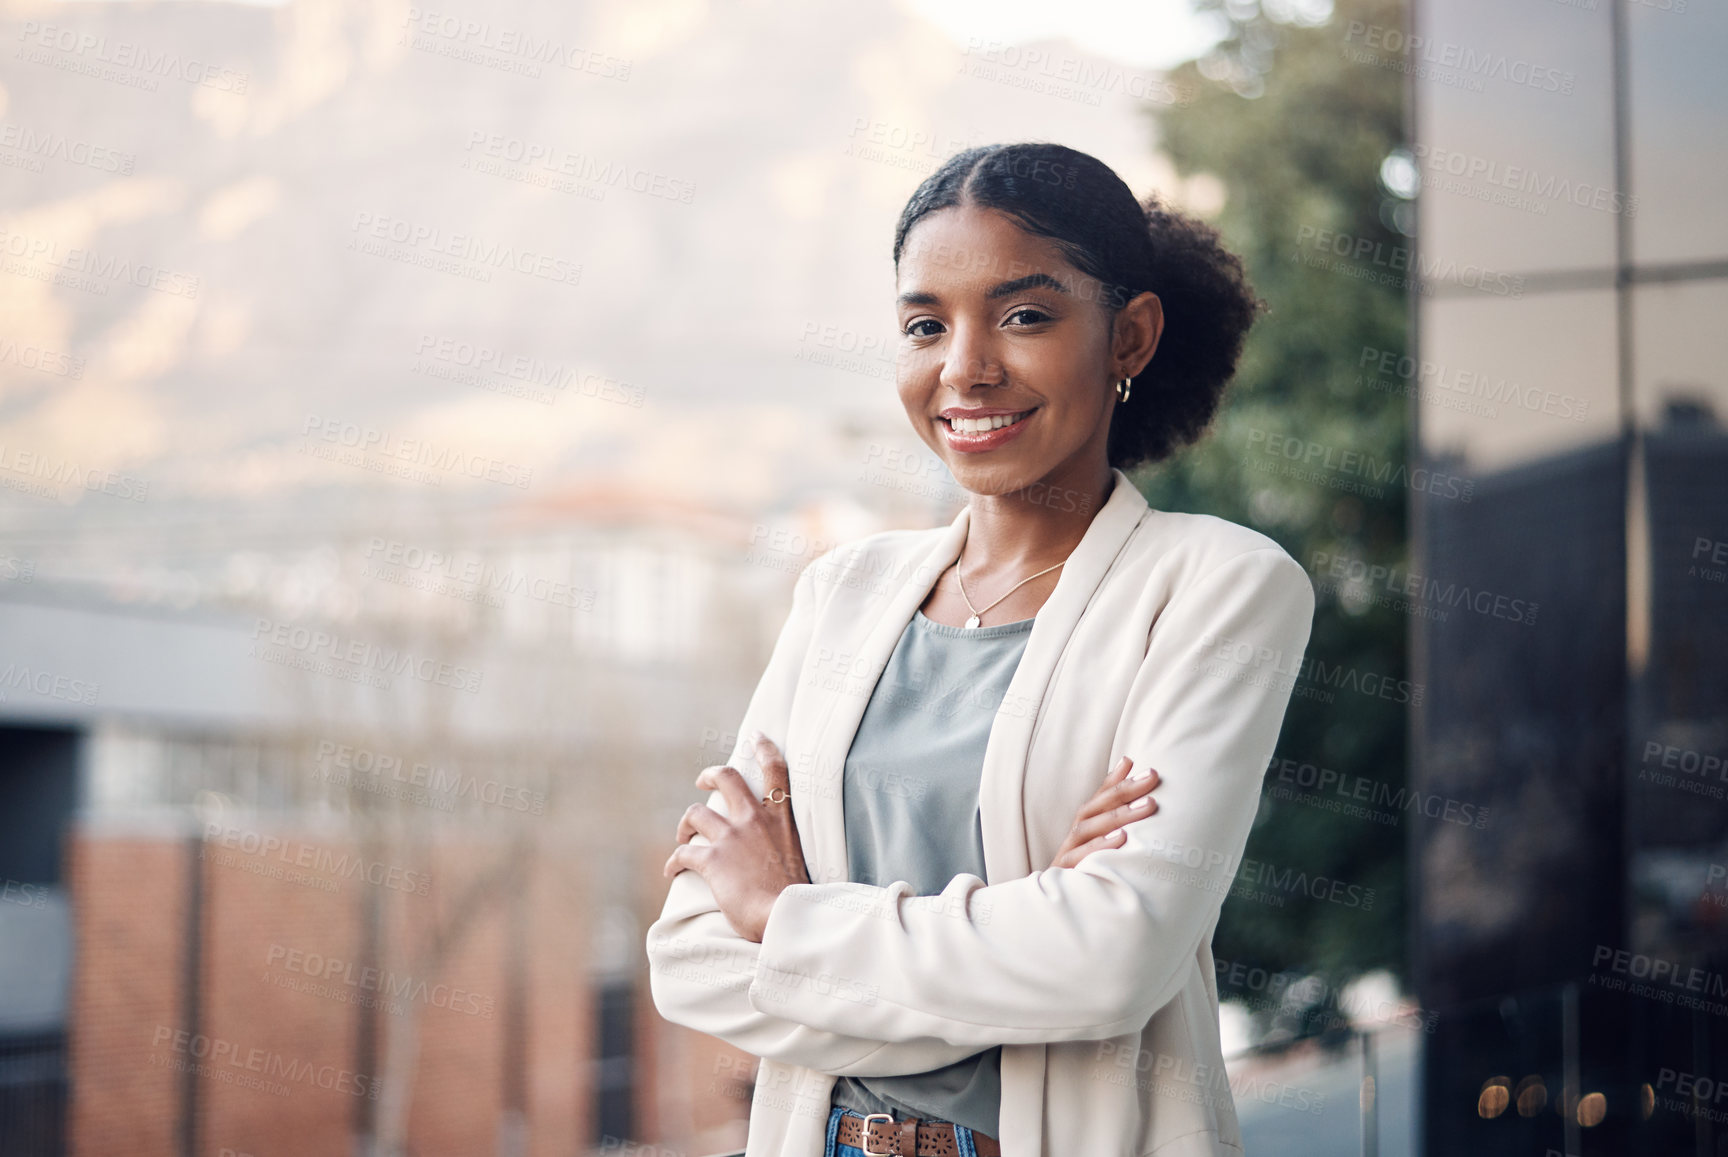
pixel 980 425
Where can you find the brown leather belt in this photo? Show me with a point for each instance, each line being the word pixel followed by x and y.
pixel 912 1137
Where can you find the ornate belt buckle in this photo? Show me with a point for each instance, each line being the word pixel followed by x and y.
pixel 869 1152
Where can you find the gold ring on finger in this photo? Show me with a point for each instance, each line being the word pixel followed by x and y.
pixel 783 794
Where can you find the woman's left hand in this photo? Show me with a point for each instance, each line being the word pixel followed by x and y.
pixel 753 851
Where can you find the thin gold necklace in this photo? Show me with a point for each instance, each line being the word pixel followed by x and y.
pixel 976 613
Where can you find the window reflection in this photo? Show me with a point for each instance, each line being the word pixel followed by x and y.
pixel 1516 176
pixel 1679 156
pixel 1678 790
pixel 1506 381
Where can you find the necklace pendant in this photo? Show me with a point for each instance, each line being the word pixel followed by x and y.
pixel 972 622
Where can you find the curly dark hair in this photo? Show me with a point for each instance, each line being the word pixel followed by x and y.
pixel 1079 203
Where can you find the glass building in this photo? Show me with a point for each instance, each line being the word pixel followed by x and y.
pixel 1571 619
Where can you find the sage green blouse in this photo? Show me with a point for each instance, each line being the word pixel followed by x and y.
pixel 911 805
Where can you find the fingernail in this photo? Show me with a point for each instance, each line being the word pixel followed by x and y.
pixel 1144 801
pixel 1140 773
pixel 1117 834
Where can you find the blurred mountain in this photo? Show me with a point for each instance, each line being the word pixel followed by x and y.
pixel 341 262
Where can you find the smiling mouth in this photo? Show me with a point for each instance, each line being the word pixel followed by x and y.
pixel 985 425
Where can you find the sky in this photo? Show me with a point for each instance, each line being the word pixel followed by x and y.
pixel 1150 34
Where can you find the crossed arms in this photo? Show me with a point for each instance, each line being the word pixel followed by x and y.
pixel 857 980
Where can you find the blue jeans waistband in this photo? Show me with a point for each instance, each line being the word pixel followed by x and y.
pixel 832 1147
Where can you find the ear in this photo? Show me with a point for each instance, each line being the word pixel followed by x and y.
pixel 1135 332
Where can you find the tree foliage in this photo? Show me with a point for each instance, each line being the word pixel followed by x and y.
pixel 1297 134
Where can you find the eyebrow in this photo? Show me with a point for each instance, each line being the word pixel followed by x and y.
pixel 1000 289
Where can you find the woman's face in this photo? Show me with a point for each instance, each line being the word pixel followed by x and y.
pixel 997 327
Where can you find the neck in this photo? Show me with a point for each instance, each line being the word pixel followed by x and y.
pixel 1028 529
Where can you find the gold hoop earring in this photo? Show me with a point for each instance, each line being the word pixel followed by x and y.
pixel 1123 386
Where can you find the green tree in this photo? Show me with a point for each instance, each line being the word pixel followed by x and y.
pixel 1298 134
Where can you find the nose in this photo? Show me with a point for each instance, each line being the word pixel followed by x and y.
pixel 970 360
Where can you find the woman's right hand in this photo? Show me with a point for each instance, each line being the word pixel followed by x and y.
pixel 1100 820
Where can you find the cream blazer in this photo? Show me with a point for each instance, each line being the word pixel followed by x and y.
pixel 1169 638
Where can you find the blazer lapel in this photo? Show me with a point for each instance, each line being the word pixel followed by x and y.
pixel 824 816
pixel 1000 789
pixel 1006 856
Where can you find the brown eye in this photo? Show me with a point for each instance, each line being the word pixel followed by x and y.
pixel 913 331
pixel 1034 316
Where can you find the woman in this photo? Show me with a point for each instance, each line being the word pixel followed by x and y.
pixel 936 929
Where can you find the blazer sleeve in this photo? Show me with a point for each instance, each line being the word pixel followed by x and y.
pixel 1092 951
pixel 700 969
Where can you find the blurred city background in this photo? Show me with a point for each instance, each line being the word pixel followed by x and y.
pixel 412 421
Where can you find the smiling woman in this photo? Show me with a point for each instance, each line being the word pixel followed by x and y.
pixel 1035 293
pixel 835 920
pixel 1043 239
